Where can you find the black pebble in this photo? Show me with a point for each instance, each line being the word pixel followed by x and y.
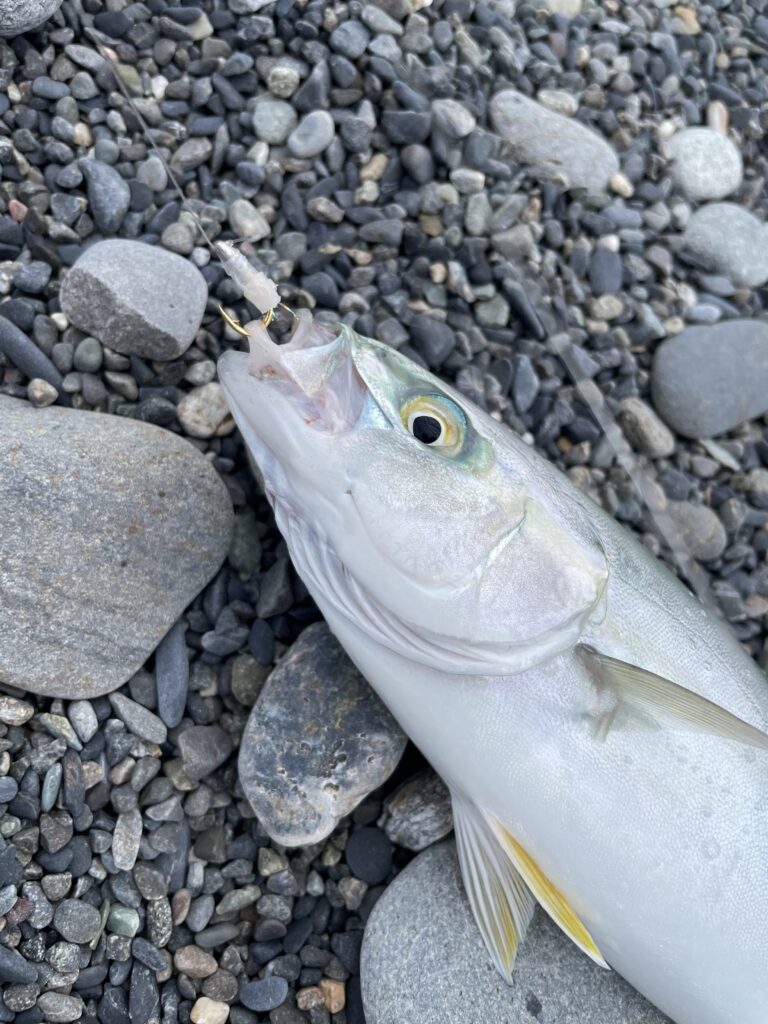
pixel 369 855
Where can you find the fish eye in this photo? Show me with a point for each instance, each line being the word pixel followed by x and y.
pixel 435 421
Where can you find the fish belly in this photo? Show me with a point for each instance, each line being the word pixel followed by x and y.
pixel 657 836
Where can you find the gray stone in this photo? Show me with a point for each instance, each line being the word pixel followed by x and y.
pixel 126 839
pixel 58 1008
pixel 318 740
pixel 110 528
pixel 108 195
pixel 26 356
pixel 203 748
pixel 139 720
pixel 645 431
pixel 273 121
pixel 14 969
pixel 705 163
pixel 703 535
pixel 138 299
pixel 707 380
pixel 552 145
pixel 730 240
pixel 453 118
pixel 248 222
pixel 76 921
pixel 350 39
pixel 314 133
pixel 17 16
pixel 422 928
pixel 419 812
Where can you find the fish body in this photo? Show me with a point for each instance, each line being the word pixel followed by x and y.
pixel 601 733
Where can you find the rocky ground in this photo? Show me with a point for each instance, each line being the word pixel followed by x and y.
pixel 470 181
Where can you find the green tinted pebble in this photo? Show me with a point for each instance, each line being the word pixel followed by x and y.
pixel 123 921
pixel 88 355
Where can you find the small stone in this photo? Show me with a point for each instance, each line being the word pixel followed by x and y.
pixel 705 163
pixel 58 1008
pixel 153 312
pixel 426 912
pixel 644 430
pixel 83 719
pixel 301 781
pixel 25 355
pixel 703 535
pixel 369 855
pixel 453 118
pixel 273 120
pixel 730 240
pixel 123 921
pixel 40 393
pixel 707 380
pixel 247 222
pixel 334 994
pixel 204 412
pixel 108 195
pixel 432 339
pixel 208 1011
pixel 172 673
pixel 313 134
pixel 419 812
pixel 144 522
pixel 76 921
pixel 203 748
pixel 605 272
pixel 265 994
pixel 194 962
pixel 14 969
pixel 554 146
pixel 350 39
pixel 139 720
pixel 14 711
pixel 126 839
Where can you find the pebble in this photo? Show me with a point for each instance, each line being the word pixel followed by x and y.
pixel 58 1008
pixel 194 962
pixel 422 927
pixel 172 673
pixel 264 995
pixel 142 495
pixel 76 921
pixel 203 749
pixel 644 430
pixel 138 299
pixel 369 855
pixel 453 118
pixel 729 240
pixel 108 195
pixel 14 711
pixel 139 720
pixel 605 272
pixel 301 781
pixel 703 535
pixel 26 356
pixel 709 379
pixel 204 412
pixel 312 135
pixel 432 339
pixel 208 1011
pixel 419 812
pixel 552 145
pixel 274 120
pixel 17 16
pixel 247 222
pixel 14 969
pixel 706 164
pixel 126 839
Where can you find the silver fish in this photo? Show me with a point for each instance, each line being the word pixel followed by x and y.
pixel 602 735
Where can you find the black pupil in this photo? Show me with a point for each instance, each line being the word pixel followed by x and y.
pixel 426 429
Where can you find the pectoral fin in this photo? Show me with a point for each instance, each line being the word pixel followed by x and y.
pixel 550 897
pixel 658 697
pixel 500 900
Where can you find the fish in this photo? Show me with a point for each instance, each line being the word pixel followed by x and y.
pixel 602 734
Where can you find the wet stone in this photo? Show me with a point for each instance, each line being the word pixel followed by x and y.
pixel 301 781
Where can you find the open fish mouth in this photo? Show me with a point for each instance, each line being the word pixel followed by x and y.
pixel 315 371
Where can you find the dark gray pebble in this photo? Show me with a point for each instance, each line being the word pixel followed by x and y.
pixel 264 995
pixel 26 356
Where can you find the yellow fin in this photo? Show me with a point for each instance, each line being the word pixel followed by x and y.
pixel 501 902
pixel 551 899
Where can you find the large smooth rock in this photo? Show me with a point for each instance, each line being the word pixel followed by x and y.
pixel 318 740
pixel 18 16
pixel 729 239
pixel 554 146
pixel 707 380
pixel 110 528
pixel 705 163
pixel 138 299
pixel 423 962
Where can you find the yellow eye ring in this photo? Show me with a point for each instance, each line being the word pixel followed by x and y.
pixel 435 421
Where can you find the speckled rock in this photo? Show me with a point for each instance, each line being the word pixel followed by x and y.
pixel 110 528
pixel 422 927
pixel 552 145
pixel 138 299
pixel 18 16
pixel 707 380
pixel 318 740
pixel 419 812
pixel 705 163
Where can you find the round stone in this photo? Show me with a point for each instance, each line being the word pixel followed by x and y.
pixel 454 118
pixel 273 121
pixel 208 1011
pixel 265 994
pixel 204 412
pixel 706 164
pixel 76 921
pixel 730 240
pixel 313 134
pixel 369 855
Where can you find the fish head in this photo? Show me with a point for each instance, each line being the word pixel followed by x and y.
pixel 390 491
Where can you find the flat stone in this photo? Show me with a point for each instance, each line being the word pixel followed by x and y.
pixel 138 299
pixel 265 994
pixel 137 719
pixel 318 740
pixel 706 164
pixel 554 146
pixel 730 240
pixel 76 921
pixel 17 16
pixel 203 748
pixel 707 380
pixel 98 505
pixel 108 195
pixel 419 812
pixel 422 927
pixel 58 1008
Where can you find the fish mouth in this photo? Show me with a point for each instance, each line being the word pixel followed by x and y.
pixel 314 371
